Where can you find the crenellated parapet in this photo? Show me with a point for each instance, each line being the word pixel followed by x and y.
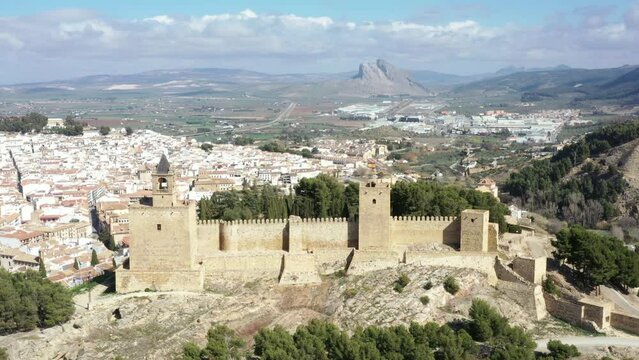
pixel 426 218
pixel 323 220
pixel 420 230
pixel 256 221
pixel 209 222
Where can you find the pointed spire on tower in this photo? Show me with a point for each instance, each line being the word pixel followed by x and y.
pixel 163 166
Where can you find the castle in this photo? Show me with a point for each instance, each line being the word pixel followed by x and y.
pixel 172 250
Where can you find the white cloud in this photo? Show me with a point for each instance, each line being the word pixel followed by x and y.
pixel 71 39
pixel 161 19
pixel 88 29
pixel 11 41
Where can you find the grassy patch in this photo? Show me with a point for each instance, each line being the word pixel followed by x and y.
pixel 107 279
pixel 401 283
pixel 349 293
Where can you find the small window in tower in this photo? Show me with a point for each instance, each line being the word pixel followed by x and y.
pixel 159 226
pixel 374 201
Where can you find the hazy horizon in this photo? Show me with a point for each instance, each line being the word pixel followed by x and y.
pixel 60 40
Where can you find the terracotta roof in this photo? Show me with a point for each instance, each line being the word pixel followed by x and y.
pixel 23 235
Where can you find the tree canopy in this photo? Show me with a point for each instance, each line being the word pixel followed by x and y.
pixel 599 259
pixel 104 130
pixel 588 196
pixel 429 198
pixel 28 301
pixel 325 196
pixel 23 124
pixel 321 340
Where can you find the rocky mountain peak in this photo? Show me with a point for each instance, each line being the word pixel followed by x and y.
pixel 385 77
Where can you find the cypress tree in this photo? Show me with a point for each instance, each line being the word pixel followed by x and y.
pixel 42 270
pixel 76 264
pixel 94 258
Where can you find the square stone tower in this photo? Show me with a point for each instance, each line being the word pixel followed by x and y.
pixel 474 230
pixel 163 241
pixel 374 216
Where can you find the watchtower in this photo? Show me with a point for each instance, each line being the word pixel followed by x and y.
pixel 163 180
pixel 474 230
pixel 374 216
pixel 163 240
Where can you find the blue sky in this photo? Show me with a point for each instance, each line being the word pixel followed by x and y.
pixel 44 40
pixel 495 12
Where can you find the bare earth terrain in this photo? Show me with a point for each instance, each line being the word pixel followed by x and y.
pixel 154 325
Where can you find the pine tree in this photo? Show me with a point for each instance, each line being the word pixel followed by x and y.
pixel 42 270
pixel 94 258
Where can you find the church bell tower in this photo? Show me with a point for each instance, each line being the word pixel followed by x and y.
pixel 163 180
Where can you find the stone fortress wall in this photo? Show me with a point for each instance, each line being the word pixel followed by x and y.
pixel 171 250
pixel 296 234
pixel 166 239
pixel 416 230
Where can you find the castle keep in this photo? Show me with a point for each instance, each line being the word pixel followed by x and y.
pixel 171 250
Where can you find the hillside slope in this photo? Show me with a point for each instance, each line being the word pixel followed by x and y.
pixel 620 83
pixel 155 325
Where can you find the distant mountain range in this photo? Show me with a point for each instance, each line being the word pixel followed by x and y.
pixel 377 78
pixel 620 83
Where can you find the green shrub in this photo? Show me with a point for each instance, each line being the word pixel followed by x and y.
pixel 401 283
pixel 561 351
pixel 3 354
pixel 428 285
pixel 451 285
pixel 222 343
pixel 350 293
pixel 486 322
pixel 549 286
pixel 424 299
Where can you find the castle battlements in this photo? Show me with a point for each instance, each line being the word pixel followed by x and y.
pixel 209 222
pixel 170 249
pixel 426 218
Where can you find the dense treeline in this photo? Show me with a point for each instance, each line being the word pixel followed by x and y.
pixel 70 128
pixel 427 198
pixel 28 301
pixel 277 147
pixel 599 259
pixel 320 340
pixel 587 197
pixel 323 196
pixel 23 124
pixel 34 122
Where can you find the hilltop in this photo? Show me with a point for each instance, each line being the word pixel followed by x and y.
pixel 619 84
pixel 154 325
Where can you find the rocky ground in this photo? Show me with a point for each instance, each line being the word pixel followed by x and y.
pixel 154 325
